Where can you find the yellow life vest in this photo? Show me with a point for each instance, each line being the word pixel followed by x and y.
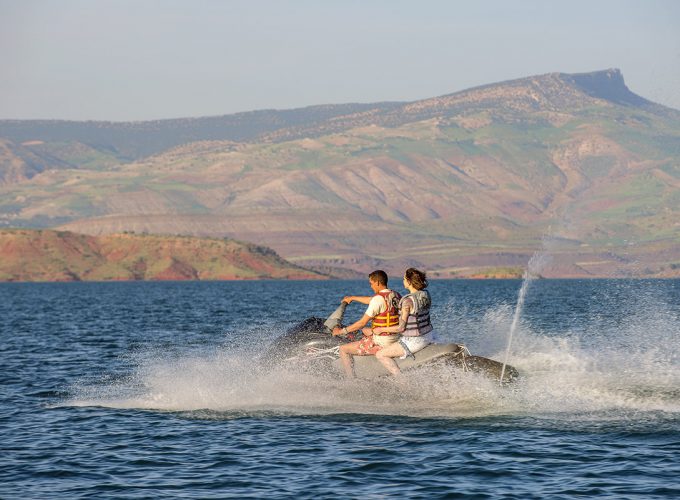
pixel 390 317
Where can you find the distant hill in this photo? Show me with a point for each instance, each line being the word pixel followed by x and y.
pixel 58 143
pixel 466 184
pixel 45 255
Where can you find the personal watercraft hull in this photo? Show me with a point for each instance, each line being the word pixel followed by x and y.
pixel 454 355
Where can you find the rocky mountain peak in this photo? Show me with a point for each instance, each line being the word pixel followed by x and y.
pixel 608 85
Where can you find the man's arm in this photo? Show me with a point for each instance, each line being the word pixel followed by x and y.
pixel 354 298
pixel 357 325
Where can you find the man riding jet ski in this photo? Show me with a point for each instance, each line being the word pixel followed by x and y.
pixel 382 312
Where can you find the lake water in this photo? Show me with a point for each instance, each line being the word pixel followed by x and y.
pixel 148 390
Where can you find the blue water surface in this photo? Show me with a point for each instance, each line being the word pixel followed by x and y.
pixel 153 390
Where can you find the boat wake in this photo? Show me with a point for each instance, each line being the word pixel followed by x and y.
pixel 605 371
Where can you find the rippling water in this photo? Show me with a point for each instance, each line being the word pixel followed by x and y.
pixel 146 390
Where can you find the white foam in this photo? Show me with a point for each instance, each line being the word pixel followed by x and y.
pixel 626 367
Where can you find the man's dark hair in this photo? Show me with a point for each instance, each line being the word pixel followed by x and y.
pixel 379 276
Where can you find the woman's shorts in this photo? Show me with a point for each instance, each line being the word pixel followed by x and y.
pixel 412 345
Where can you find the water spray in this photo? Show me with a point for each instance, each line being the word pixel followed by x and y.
pixel 535 264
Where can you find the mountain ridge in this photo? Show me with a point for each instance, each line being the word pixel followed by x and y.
pixel 277 124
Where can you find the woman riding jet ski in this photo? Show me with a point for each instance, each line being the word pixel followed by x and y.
pixel 312 344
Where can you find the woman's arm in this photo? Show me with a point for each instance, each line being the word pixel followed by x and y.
pixel 405 311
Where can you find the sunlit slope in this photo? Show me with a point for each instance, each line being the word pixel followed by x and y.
pixel 456 183
pixel 45 255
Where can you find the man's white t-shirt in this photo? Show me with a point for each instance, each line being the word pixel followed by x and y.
pixel 377 305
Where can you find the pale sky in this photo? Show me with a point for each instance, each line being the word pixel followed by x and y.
pixel 142 59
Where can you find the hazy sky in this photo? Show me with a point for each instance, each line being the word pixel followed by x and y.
pixel 143 59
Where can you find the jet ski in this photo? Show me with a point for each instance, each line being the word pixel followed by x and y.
pixel 310 344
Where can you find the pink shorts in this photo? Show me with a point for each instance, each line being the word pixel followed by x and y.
pixel 367 347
